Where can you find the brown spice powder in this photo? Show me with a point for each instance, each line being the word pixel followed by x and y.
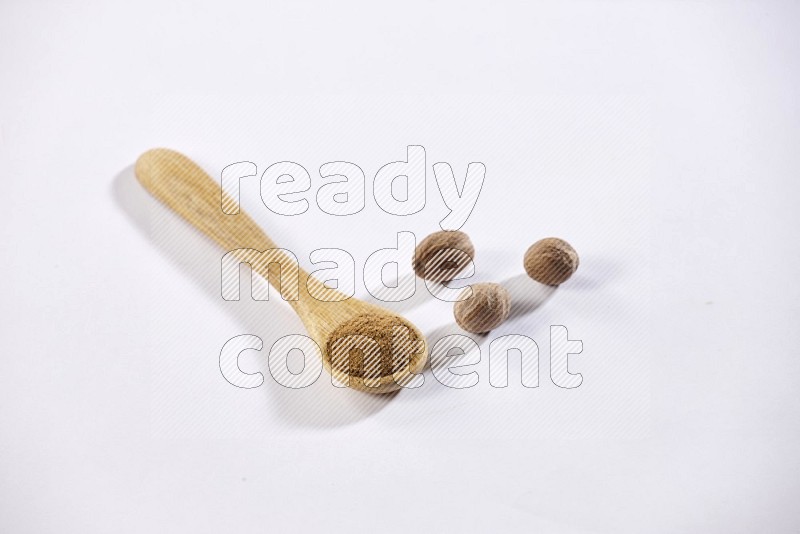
pixel 378 328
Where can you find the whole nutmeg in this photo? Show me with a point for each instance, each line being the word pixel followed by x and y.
pixel 486 309
pixel 442 255
pixel 551 261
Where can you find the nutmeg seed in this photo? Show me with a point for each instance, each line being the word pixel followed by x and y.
pixel 437 257
pixel 551 261
pixel 485 310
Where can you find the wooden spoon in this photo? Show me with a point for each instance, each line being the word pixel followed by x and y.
pixel 362 345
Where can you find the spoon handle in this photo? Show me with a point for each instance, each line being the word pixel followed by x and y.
pixel 187 190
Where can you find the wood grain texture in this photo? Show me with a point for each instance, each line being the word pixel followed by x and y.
pixel 185 188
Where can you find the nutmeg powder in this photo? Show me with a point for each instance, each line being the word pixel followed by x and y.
pixel 379 328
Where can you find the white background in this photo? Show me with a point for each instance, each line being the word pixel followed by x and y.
pixel 659 138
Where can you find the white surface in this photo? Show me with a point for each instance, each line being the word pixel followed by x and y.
pixel 660 139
